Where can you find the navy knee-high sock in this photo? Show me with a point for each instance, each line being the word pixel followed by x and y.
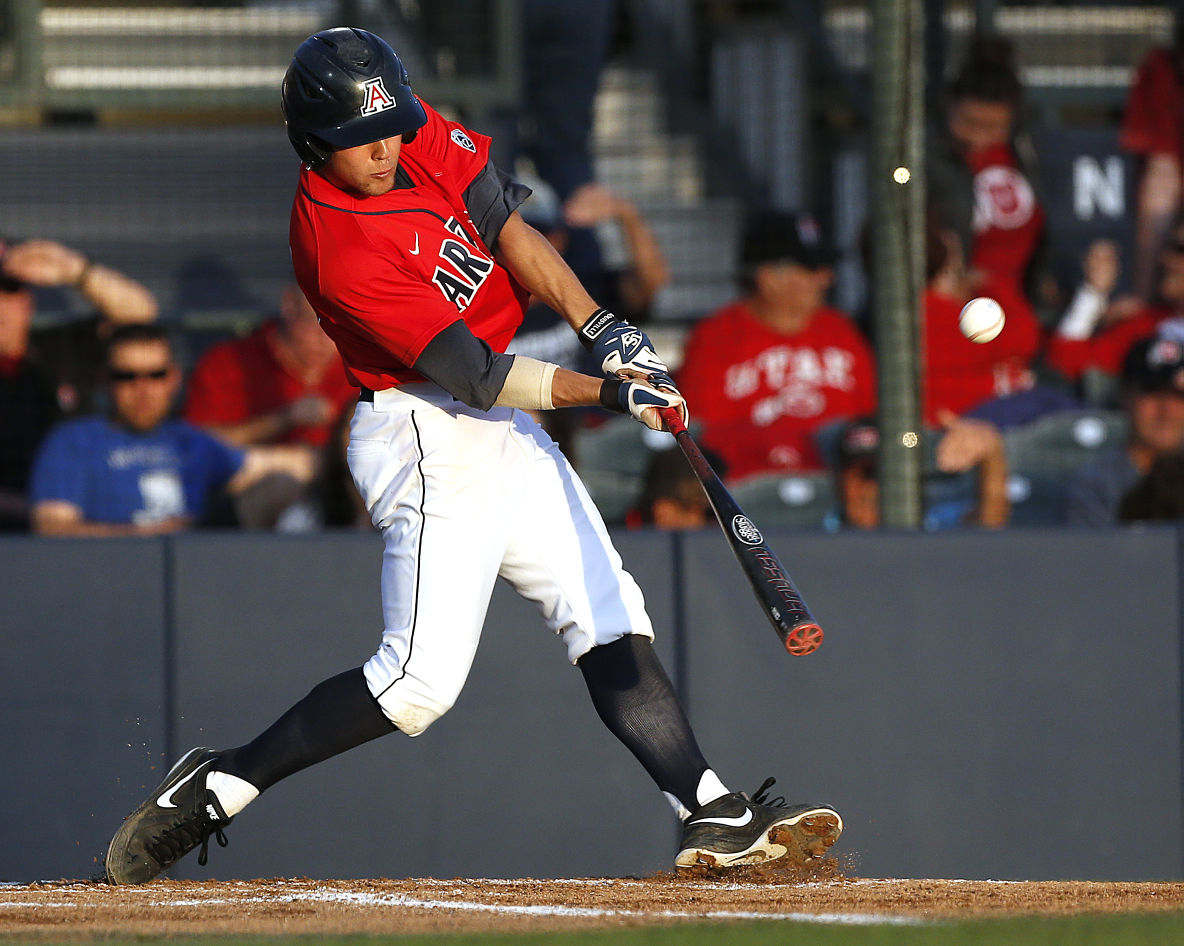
pixel 636 700
pixel 337 715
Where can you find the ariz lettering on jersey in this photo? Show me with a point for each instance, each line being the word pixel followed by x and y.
pixel 463 268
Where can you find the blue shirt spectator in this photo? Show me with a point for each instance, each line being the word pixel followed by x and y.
pixel 135 471
pixel 115 474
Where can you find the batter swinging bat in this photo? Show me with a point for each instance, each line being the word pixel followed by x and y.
pixel 780 600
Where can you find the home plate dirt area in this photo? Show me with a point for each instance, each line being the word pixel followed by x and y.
pixel 822 893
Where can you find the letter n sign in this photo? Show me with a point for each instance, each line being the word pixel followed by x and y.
pixel 1098 187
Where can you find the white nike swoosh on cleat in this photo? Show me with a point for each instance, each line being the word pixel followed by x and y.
pixel 165 799
pixel 738 822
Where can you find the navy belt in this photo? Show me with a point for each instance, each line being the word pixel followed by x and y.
pixel 366 395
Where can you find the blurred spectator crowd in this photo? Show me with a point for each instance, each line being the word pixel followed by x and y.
pixel 1073 415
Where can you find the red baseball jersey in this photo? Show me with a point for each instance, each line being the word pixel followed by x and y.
pixel 242 378
pixel 386 274
pixel 761 395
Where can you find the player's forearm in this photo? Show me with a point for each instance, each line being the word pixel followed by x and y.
pixel 541 386
pixel 572 389
pixel 537 265
pixel 537 385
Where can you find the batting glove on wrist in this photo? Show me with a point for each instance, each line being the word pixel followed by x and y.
pixel 620 347
pixel 641 401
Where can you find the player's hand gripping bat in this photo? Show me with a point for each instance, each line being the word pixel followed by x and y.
pixel 775 590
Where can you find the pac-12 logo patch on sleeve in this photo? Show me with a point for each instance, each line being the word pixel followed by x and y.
pixel 375 97
pixel 460 138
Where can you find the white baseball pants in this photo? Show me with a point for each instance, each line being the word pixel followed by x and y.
pixel 463 496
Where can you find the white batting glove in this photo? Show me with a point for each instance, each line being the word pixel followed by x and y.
pixel 621 347
pixel 642 401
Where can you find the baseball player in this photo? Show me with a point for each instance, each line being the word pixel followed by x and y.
pixel 406 240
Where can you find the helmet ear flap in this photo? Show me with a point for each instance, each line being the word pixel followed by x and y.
pixel 313 152
pixel 409 136
pixel 318 152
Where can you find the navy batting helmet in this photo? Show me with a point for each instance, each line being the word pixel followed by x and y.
pixel 346 87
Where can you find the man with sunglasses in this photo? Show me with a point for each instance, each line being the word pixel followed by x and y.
pixel 48 373
pixel 136 471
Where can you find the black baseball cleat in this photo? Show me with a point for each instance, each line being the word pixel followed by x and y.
pixel 735 829
pixel 180 814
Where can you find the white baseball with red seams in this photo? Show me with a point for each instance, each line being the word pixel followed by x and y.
pixel 981 320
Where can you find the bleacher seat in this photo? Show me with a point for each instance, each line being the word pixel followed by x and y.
pixel 787 501
pixel 617 446
pixel 1042 454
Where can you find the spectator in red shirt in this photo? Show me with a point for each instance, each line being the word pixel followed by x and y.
pixel 282 384
pixel 764 373
pixel 983 179
pixel 1094 334
pixel 1153 130
pixel 996 381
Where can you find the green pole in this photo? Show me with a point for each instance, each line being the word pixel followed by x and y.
pixel 898 262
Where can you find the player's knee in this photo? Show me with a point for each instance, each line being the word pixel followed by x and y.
pixel 409 718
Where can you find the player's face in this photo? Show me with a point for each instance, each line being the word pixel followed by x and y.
pixel 976 124
pixel 143 380
pixel 368 170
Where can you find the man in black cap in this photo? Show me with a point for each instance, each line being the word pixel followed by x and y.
pixel 1153 399
pixel 768 370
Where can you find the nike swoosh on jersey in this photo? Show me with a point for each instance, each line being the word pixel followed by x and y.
pixel 415 252
pixel 738 822
pixel 165 800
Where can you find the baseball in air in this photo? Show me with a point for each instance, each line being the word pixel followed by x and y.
pixel 981 319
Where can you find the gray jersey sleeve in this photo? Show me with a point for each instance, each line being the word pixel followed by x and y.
pixel 464 366
pixel 490 198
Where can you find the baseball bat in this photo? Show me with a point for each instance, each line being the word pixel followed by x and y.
pixel 779 598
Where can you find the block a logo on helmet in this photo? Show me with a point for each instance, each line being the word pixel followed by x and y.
pixel 375 97
pixel 346 87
